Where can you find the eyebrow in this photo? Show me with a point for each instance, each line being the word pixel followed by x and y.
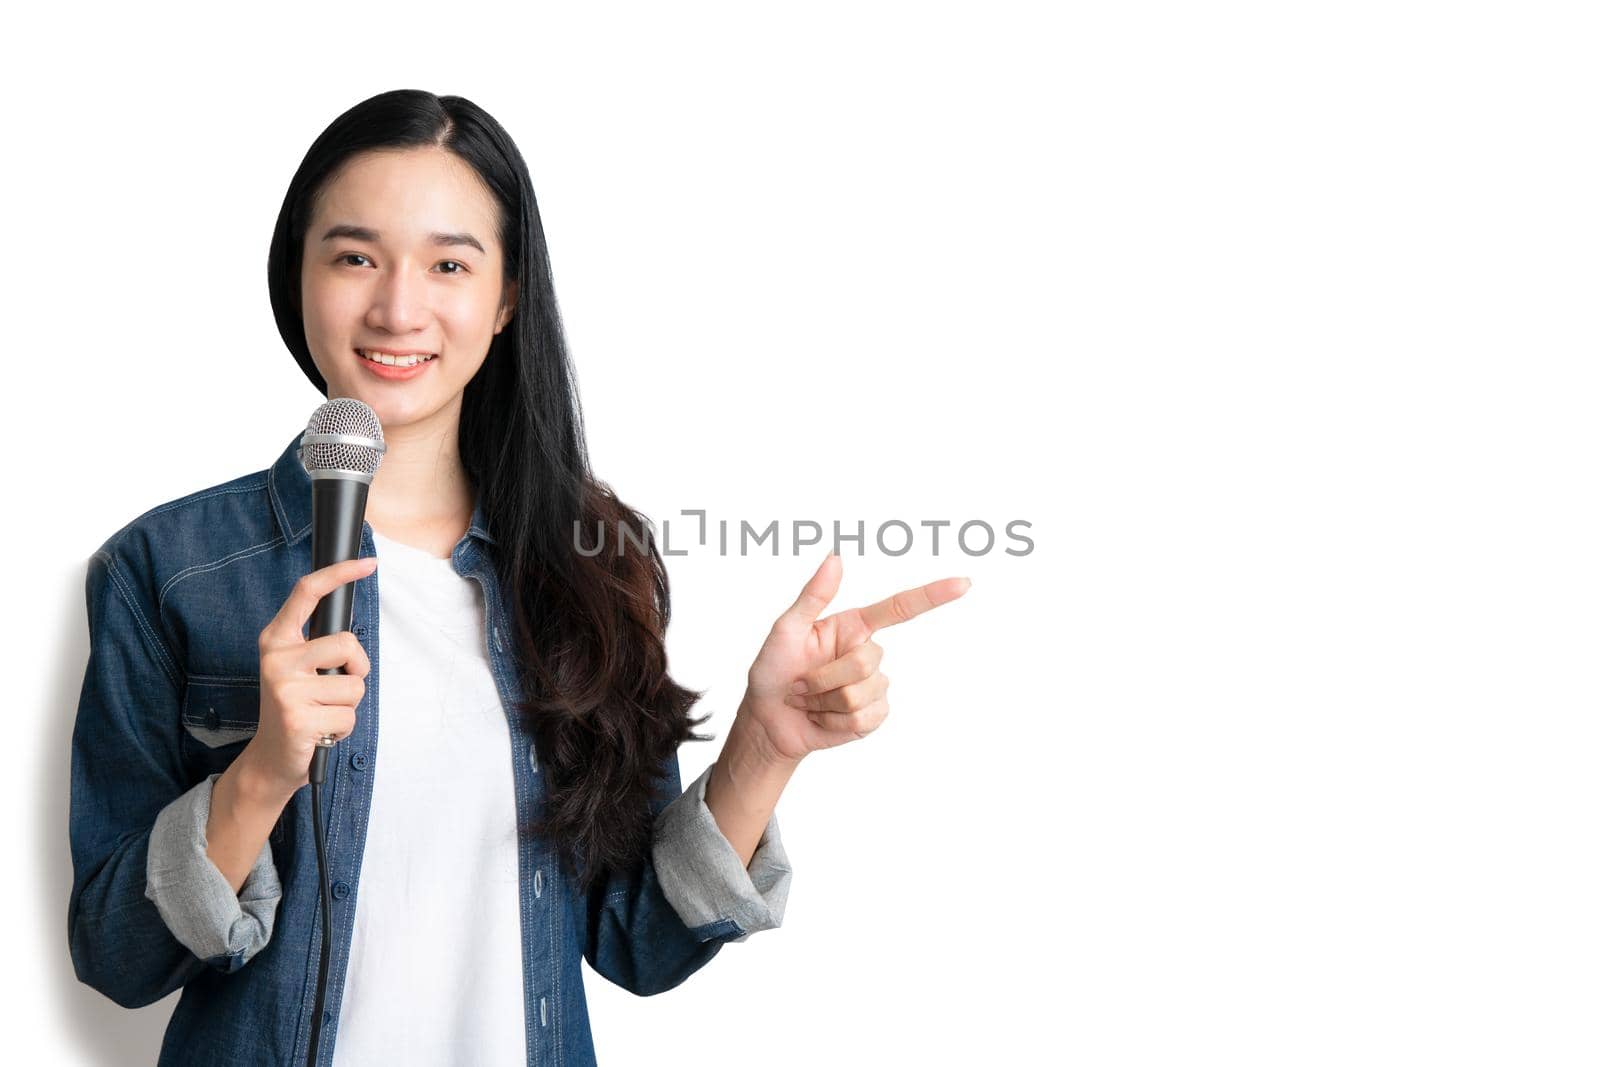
pixel 362 233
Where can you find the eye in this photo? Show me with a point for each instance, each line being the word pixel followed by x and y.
pixel 345 259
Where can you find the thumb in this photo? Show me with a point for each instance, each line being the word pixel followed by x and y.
pixel 818 591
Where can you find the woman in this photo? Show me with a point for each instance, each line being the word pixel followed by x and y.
pixel 410 235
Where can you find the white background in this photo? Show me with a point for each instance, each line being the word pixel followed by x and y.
pixel 1276 322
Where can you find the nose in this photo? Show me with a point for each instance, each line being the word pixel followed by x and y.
pixel 399 303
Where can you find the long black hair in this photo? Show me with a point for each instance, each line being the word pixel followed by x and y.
pixel 589 630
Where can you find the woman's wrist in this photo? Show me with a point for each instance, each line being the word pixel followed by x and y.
pixel 745 783
pixel 749 747
pixel 254 786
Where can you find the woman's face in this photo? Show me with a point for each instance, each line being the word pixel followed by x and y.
pixel 402 254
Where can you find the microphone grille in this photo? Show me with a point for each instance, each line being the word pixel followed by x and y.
pixel 343 435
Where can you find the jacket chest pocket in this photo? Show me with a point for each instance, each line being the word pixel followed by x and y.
pixel 219 716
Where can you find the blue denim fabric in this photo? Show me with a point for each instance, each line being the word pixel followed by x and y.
pixel 176 601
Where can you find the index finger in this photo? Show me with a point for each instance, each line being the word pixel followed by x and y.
pixel 913 602
pixel 286 626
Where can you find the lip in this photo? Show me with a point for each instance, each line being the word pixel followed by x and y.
pixel 393 374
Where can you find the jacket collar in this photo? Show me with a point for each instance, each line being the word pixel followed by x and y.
pixel 289 486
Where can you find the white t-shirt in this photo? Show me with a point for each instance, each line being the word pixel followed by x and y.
pixel 435 973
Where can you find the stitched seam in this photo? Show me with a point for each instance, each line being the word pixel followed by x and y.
pixel 338 951
pixel 525 856
pixel 165 659
pixel 254 487
pixel 555 913
pixel 281 514
pixel 243 553
pixel 552 909
pixel 195 720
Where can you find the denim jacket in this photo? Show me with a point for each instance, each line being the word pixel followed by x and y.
pixel 171 695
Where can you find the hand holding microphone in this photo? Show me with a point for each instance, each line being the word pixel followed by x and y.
pixel 311 685
pixel 299 705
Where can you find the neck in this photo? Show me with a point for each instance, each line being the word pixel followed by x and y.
pixel 421 485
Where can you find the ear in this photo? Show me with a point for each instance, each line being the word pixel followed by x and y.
pixel 508 307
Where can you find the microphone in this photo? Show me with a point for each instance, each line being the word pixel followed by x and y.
pixel 340 450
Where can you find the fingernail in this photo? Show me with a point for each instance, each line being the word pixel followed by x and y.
pixel 798 687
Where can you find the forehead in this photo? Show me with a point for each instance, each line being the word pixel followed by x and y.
pixel 406 195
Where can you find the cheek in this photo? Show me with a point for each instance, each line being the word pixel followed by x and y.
pixel 467 313
pixel 329 318
pixel 468 322
pixel 331 307
pixel 463 368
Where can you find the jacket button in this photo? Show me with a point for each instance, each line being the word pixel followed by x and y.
pixel 359 761
pixel 327 1017
pixel 213 720
pixel 360 630
pixel 533 757
pixel 340 890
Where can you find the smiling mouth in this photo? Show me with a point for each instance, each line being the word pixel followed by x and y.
pixel 394 361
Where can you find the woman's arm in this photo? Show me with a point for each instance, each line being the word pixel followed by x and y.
pixel 744 786
pixel 653 926
pixel 244 809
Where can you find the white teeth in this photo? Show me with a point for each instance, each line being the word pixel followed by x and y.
pixel 392 361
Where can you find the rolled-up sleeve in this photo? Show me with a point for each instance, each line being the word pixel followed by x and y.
pixel 702 877
pixel 194 898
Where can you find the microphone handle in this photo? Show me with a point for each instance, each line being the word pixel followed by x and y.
pixel 338 510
